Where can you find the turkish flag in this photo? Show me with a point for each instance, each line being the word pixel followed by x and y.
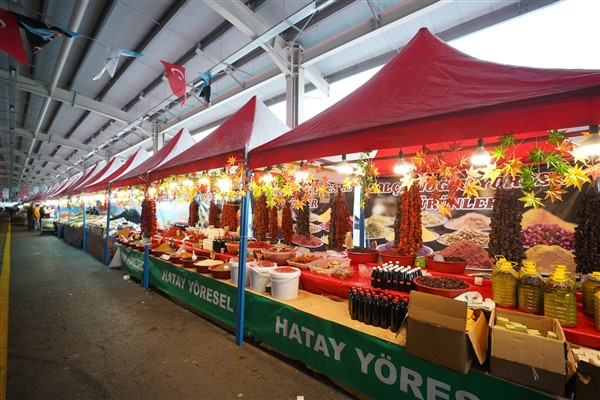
pixel 10 37
pixel 176 78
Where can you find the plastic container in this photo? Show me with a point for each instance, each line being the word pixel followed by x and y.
pixel 279 254
pixel 504 285
pixel 530 289
pixel 447 267
pixel 560 299
pixel 259 277
pixel 284 282
pixel 597 307
pixel 233 265
pixel 587 292
pixel 362 255
pixel 391 257
pixel 451 293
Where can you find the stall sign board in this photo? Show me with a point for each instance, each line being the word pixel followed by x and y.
pixel 133 261
pixel 211 296
pixel 368 364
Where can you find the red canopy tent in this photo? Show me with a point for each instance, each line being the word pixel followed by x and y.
pixel 111 167
pixel 68 190
pixel 249 127
pixel 132 162
pixel 139 175
pixel 430 93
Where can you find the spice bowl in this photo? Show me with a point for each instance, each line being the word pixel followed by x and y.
pixel 425 284
pixel 447 267
pixel 362 255
pixel 233 247
pixel 220 271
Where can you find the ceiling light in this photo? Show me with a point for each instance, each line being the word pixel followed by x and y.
pixel 344 167
pixel 402 167
pixel 591 146
pixel 481 156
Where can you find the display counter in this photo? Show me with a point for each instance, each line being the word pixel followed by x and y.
pixel 318 331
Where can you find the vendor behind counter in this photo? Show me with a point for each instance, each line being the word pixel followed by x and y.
pixel 130 214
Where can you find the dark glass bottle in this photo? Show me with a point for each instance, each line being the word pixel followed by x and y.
pixel 368 312
pixel 360 306
pixel 395 313
pixel 376 307
pixel 384 313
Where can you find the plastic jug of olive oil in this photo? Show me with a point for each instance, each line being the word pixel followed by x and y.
pixel 530 289
pixel 504 285
pixel 587 292
pixel 560 300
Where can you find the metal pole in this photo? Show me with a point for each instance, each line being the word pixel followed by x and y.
pixel 69 218
pixel 241 300
pixel 361 222
pixel 58 223
pixel 106 260
pixel 83 240
pixel 146 274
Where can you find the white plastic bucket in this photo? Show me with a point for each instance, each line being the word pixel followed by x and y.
pixel 259 278
pixel 233 265
pixel 284 285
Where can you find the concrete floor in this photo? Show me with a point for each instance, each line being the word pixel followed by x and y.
pixel 78 330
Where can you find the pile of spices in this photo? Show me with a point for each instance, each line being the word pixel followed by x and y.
pixel 260 222
pixel 548 234
pixel 544 256
pixel 473 235
pixel 287 225
pixel 587 232
pixel 430 219
pixel 472 253
pixel 470 220
pixel 505 237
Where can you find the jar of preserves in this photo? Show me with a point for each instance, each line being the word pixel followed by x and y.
pixel 560 300
pixel 530 290
pixel 504 285
pixel 592 281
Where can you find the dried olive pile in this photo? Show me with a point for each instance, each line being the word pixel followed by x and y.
pixel 442 282
pixel 505 237
pixel 587 233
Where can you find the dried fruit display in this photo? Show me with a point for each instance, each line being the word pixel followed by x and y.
pixel 549 234
pixel 148 222
pixel 340 222
pixel 398 221
pixel 213 214
pixel 287 225
pixel 505 237
pixel 587 233
pixel 260 222
pixel 193 213
pixel 303 220
pixel 411 234
pixel 273 227
pixel 229 217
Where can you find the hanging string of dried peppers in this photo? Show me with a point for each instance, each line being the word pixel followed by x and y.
pixel 260 223
pixel 411 233
pixel 229 217
pixel 193 213
pixel 148 221
pixel 273 226
pixel 213 214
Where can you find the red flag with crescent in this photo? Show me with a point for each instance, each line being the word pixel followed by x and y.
pixel 176 78
pixel 10 37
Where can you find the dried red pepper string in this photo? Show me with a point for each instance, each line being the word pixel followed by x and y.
pixel 213 214
pixel 287 223
pixel 273 226
pixel 260 223
pixel 229 216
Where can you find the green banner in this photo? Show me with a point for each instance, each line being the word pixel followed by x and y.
pixel 133 261
pixel 211 296
pixel 368 364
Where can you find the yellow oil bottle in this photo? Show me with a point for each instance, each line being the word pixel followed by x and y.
pixel 560 300
pixel 530 289
pixel 591 282
pixel 504 285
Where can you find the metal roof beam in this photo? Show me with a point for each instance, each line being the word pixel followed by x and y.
pixel 73 98
pixel 54 139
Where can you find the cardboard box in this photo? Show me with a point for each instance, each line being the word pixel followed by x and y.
pixel 436 332
pixel 587 379
pixel 535 361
